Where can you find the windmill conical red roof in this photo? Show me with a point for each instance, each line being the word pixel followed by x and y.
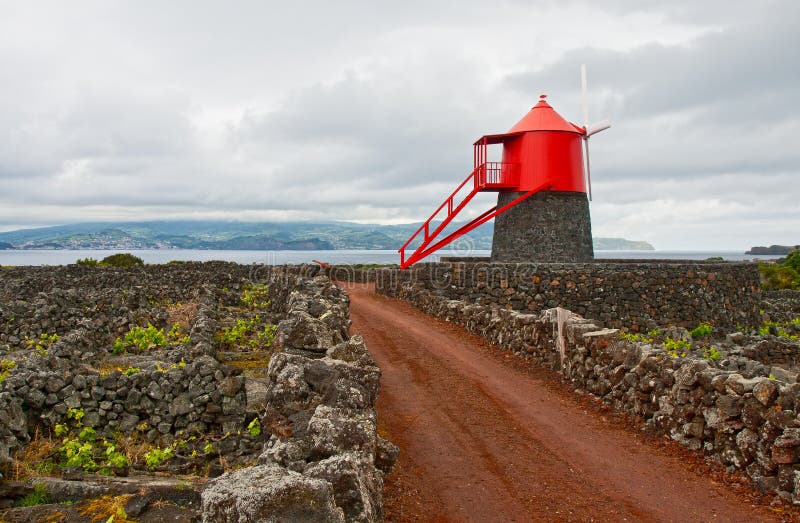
pixel 542 117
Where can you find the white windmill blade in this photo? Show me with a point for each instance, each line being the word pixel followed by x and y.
pixel 588 169
pixel 595 128
pixel 585 103
pixel 584 98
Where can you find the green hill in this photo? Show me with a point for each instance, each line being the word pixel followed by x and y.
pixel 220 235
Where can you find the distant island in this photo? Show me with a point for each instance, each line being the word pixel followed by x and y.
pixel 775 250
pixel 221 235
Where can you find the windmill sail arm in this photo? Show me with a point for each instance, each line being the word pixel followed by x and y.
pixel 595 128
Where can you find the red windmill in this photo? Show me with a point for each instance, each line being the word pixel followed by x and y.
pixel 542 152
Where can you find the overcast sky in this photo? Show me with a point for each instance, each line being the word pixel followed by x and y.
pixel 366 111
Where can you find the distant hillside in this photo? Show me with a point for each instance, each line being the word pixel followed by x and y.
pixel 779 250
pixel 220 235
pixel 620 244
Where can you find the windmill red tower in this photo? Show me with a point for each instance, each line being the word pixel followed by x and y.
pixel 541 181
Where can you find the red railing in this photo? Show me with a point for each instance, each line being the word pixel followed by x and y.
pixel 497 175
pixel 487 175
pixel 453 207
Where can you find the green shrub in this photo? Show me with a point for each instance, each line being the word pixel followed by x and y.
pixel 237 332
pixel 42 343
pixel 176 335
pixel 121 260
pixel 156 456
pixel 710 353
pixel 677 348
pixel 782 275
pixel 77 415
pixel 254 428
pixel 77 453
pixel 141 339
pixel 792 260
pixel 256 296
pixel 6 366
pixel 89 262
pixel 267 336
pixel 638 337
pixel 778 329
pixel 244 333
pixel 701 331
pixel 81 448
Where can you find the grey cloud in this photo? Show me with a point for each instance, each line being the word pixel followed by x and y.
pixel 739 73
pixel 358 110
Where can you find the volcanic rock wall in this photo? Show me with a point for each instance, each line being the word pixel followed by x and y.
pixel 184 390
pixel 634 295
pixel 317 409
pixel 324 460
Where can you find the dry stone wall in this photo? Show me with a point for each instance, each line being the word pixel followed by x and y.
pixel 740 412
pixel 315 408
pixel 324 460
pixel 634 295
pixel 181 390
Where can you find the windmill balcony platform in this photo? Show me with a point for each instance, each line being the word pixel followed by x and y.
pixel 497 176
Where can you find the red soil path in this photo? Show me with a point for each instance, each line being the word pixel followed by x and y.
pixel 483 439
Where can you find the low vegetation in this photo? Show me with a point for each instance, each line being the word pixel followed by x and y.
pixel 82 448
pixel 789 330
pixel 256 296
pixel 701 331
pixel 38 496
pixel 141 339
pixel 115 260
pixel 41 344
pixel 6 366
pixel 785 274
pixel 253 331
pixel 679 348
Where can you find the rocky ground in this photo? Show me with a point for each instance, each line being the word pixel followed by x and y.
pixel 191 391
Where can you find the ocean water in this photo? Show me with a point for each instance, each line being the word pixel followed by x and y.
pixel 59 257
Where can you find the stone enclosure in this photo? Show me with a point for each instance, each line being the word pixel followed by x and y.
pixel 637 295
pixel 249 372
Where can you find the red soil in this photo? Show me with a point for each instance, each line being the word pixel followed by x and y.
pixel 485 436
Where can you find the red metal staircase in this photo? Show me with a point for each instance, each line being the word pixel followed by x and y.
pixel 486 176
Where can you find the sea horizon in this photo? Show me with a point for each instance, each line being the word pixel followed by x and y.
pixel 340 257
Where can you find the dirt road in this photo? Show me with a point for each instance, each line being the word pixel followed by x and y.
pixel 482 440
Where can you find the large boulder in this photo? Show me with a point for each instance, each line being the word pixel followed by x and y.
pixel 268 493
pixel 357 485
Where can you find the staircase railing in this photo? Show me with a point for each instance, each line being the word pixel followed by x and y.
pixel 486 176
pixel 453 208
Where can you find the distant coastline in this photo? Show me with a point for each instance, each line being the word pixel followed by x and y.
pixel 772 250
pixel 246 236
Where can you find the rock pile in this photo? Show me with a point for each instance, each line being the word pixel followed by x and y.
pixel 324 460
